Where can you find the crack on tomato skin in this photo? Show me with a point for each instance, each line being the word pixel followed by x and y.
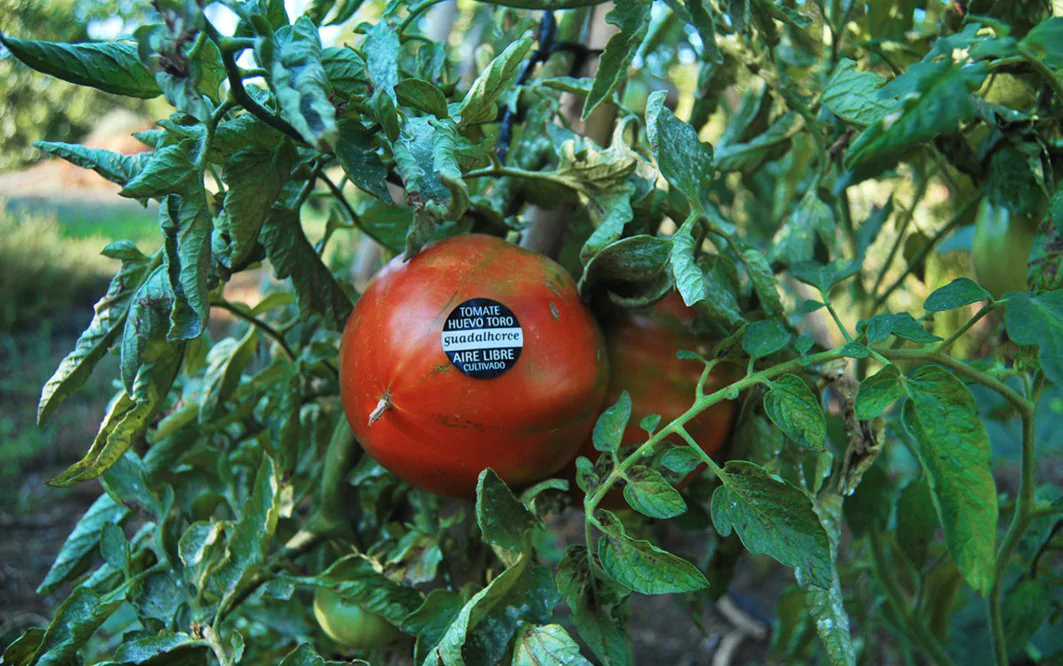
pixel 554 311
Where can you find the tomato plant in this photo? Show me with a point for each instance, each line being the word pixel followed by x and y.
pixel 473 354
pixel 803 176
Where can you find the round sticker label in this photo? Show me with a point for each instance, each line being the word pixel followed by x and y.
pixel 482 338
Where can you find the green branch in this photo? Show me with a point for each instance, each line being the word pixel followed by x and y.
pixel 228 50
pixel 1020 521
pixel 924 251
pixel 257 323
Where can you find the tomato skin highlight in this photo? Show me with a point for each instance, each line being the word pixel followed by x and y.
pixel 1001 248
pixel 642 355
pixel 350 625
pixel 441 428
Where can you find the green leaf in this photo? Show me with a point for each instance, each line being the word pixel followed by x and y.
pixel 82 541
pixel 548 645
pixel 641 566
pixel 226 361
pixel 603 182
pixel 186 227
pixel 131 412
pixel 382 52
pixel 934 99
pixel 346 71
pixel 632 17
pixel 1045 269
pixel 956 294
pixel 1026 607
pixel 825 277
pixel 902 325
pixel 772 517
pixel 316 290
pixel 300 82
pixel 164 647
pixel 361 581
pixel 20 651
pixel 1038 320
pixel 761 275
pixel 636 266
pixel 795 409
pixel 503 520
pixel 429 622
pixel 916 521
pixel 76 620
pixel 870 228
pixel 764 338
pixel 250 538
pixel 689 278
pixel 114 547
pixel 609 429
pixel 306 655
pixel 878 392
pixel 480 104
pixel 115 167
pixel 522 593
pixel 651 495
pixel 942 419
pixel 112 67
pixel 1046 42
pixel 748 155
pixel 685 162
pixel 827 606
pixel 426 158
pixel 102 332
pixel 598 606
pixel 170 169
pixel 360 161
pixel 255 177
pixel 853 96
pixel 796 240
pixel 422 96
pixel 682 460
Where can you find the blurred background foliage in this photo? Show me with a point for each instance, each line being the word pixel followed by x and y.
pixel 33 106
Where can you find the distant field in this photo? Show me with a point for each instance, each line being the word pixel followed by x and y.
pixel 89 219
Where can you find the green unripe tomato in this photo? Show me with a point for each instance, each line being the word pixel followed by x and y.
pixel 350 625
pixel 1001 250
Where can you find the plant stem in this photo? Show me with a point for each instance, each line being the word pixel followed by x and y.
pixel 415 11
pixel 1020 521
pixel 916 629
pixel 1042 69
pixel 355 218
pixel 835 317
pixel 916 198
pixel 236 85
pixel 986 309
pixel 926 250
pixel 257 323
pixel 1023 405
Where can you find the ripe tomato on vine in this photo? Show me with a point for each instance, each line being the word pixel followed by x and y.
pixel 475 353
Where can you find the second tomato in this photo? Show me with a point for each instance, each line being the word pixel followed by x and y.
pixel 642 356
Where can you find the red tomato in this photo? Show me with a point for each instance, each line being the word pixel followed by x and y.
pixel 473 354
pixel 642 356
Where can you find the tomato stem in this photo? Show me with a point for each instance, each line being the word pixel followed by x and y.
pixel 383 405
